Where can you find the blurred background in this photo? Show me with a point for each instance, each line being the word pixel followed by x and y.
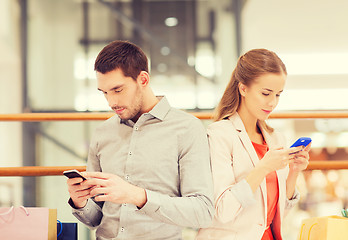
pixel 47 52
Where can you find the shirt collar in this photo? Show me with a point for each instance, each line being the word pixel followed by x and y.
pixel 159 111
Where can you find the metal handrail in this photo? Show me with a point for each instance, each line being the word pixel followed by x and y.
pixel 39 117
pixel 37 170
pixel 58 170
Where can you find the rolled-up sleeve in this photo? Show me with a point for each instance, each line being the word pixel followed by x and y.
pixel 290 203
pixel 243 193
pixel 90 215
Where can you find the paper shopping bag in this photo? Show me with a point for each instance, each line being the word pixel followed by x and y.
pixel 66 231
pixel 324 228
pixel 19 223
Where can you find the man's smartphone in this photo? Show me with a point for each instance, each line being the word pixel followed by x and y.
pixel 73 174
pixel 302 141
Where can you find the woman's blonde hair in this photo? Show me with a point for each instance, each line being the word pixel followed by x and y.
pixel 250 66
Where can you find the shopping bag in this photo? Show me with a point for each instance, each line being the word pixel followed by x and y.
pixel 66 231
pixel 21 223
pixel 324 228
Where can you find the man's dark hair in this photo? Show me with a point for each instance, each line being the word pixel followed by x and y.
pixel 121 55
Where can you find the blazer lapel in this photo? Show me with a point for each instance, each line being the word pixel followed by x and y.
pixel 244 138
pixel 281 173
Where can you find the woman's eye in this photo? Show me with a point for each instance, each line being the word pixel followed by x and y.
pixel 117 91
pixel 265 94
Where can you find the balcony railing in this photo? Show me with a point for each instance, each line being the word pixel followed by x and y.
pixel 58 170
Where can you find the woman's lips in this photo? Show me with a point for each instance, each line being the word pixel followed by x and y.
pixel 267 111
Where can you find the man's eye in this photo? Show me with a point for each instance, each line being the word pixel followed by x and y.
pixel 265 94
pixel 117 91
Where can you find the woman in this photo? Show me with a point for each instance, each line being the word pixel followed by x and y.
pixel 254 172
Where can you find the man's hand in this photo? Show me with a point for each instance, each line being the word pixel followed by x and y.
pixel 78 192
pixel 112 188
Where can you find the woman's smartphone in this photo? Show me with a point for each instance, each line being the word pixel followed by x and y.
pixel 302 141
pixel 73 174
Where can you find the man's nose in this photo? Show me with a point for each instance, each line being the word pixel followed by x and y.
pixel 112 100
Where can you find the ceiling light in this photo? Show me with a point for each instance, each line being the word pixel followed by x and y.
pixel 165 51
pixel 171 22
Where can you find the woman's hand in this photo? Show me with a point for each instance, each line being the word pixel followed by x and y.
pixel 273 160
pixel 298 164
pixel 276 159
pixel 301 160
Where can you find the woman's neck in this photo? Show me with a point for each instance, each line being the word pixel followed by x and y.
pixel 251 127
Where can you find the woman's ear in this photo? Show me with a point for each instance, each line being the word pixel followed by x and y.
pixel 143 78
pixel 242 89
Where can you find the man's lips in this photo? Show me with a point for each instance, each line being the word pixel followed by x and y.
pixel 119 110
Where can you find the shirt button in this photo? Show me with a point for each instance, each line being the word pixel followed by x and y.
pixel 136 128
pixel 127 177
pixel 124 204
pixel 122 229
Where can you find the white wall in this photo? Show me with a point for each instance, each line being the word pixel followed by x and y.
pixel 311 38
pixel 10 101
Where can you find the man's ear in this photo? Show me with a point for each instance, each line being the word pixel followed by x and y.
pixel 143 78
pixel 242 89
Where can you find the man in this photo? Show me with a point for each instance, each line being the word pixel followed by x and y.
pixel 148 171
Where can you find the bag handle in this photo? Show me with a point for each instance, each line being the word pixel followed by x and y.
pixel 3 215
pixel 11 209
pixel 61 228
pixel 301 231
pixel 309 231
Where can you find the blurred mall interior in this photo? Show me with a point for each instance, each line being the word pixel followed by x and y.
pixel 47 52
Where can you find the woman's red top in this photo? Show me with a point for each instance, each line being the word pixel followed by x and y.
pixel 272 192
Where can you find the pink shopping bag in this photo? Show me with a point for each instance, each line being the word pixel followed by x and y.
pixel 20 223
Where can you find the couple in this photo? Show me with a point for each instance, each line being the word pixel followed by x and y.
pixel 149 172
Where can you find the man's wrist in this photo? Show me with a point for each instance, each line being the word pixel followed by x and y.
pixel 139 198
pixel 77 206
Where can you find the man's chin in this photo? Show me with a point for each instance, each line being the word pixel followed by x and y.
pixel 123 117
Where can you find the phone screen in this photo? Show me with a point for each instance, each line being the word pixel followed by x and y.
pixel 303 141
pixel 73 174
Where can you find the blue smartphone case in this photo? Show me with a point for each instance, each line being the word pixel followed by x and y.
pixel 302 141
